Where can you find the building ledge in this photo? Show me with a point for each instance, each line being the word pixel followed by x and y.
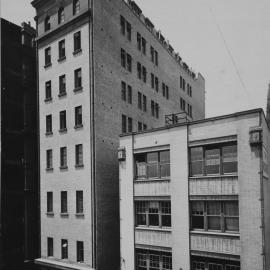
pixel 158 229
pixel 212 233
pixel 58 264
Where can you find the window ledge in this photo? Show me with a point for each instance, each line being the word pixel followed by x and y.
pixel 62 94
pixel 64 214
pixel 50 214
pixel 62 59
pixel 48 99
pixel 150 228
pixel 77 51
pixel 47 65
pixel 49 133
pixel 225 234
pixel 151 179
pixel 63 130
pixel 78 89
pixel 49 169
pixel 214 176
pixel 79 215
pixel 78 166
pixel 63 168
pixel 78 126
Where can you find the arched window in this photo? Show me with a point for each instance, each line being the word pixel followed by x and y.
pixel 61 15
pixel 47 23
pixel 76 7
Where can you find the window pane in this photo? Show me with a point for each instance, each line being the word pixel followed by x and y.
pixel 212 161
pixel 141 261
pixel 213 214
pixel 152 170
pixel 154 262
pixel 140 213
pixel 214 266
pixel 153 214
pixel 196 159
pixel 197 215
pixel 229 159
pixel 166 214
pixel 231 214
pixel 166 262
pixel 198 266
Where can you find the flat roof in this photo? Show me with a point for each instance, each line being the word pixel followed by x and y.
pixel 215 118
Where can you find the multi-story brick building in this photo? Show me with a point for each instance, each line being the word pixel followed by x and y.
pixel 18 138
pixel 103 70
pixel 196 195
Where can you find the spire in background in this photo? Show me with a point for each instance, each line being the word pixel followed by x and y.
pixel 268 107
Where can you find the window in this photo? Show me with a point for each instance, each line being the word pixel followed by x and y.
pixel 78 116
pixel 181 82
pixel 47 23
pixel 123 58
pixel 77 41
pixel 64 248
pixel 129 124
pixel 153 213
pixel 144 46
pixel 189 112
pixel 129 94
pixel 80 251
pixel 62 85
pixel 152 80
pixel 167 94
pixel 49 124
pixel 163 90
pixel 213 159
pixel 144 73
pixel 79 155
pixel 152 108
pixel 61 15
pixel 184 85
pixel 49 160
pixel 144 103
pixel 129 31
pixel 129 63
pixel 61 49
pixel 64 208
pixel 50 247
pixel 152 52
pixel 156 58
pixel 63 157
pixel 79 201
pixel 76 7
pixel 182 104
pixel 123 25
pixel 49 202
pixel 156 84
pixel 140 126
pixel 48 91
pixel 144 126
pixel 153 165
pixel 78 79
pixel 124 123
pixel 48 56
pixel 153 260
pixel 215 215
pixel 199 263
pixel 63 121
pixel 123 91
pixel 189 90
pixel 139 70
pixel 156 110
pixel 140 100
pixel 139 41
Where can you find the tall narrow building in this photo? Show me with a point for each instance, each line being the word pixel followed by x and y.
pixel 103 70
pixel 19 176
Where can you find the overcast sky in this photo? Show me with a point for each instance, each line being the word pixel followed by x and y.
pixel 227 41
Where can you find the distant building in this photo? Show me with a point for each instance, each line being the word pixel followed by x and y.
pixel 19 166
pixel 103 70
pixel 196 195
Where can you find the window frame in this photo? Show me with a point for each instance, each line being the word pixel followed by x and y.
pixel 77 46
pixel 64 202
pixel 50 249
pixel 48 56
pixel 48 90
pixel 62 121
pixel 49 124
pixel 80 251
pixel 63 157
pixel 61 15
pixel 47 23
pixel 49 202
pixel 61 50
pixel 76 7
pixel 49 159
pixel 78 113
pixel 64 249
pixel 62 85
pixel 79 155
pixel 79 202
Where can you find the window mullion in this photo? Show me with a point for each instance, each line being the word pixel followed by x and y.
pixel 205 216
pixel 222 218
pixel 159 215
pixel 147 214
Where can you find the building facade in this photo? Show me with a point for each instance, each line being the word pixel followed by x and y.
pixel 103 70
pixel 19 175
pixel 195 196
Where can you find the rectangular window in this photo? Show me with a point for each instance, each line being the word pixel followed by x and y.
pixel 124 124
pixel 152 52
pixel 50 247
pixel 78 116
pixel 229 159
pixel 181 82
pixel 77 41
pixel 123 25
pixel 48 90
pixel 47 23
pixel 139 41
pixel 76 7
pixel 196 161
pixel 123 91
pixel 123 58
pixel 163 90
pixel 140 100
pixel 156 84
pixel 144 73
pixel 139 126
pixel 129 124
pixel 220 216
pixel 144 46
pixel 49 160
pixel 144 127
pixel 61 49
pixel 78 78
pixel 49 202
pixel 79 201
pixel 79 155
pixel 64 248
pixel 153 165
pixel 63 157
pixel 63 121
pixel 144 103
pixel 152 80
pixel 156 58
pixel 156 110
pixel 129 94
pixel 80 252
pixel 48 56
pixel 182 104
pixel 129 63
pixel 128 31
pixel 64 208
pixel 184 85
pixel 49 124
pixel 167 93
pixel 62 85
pixel 139 70
pixel 152 108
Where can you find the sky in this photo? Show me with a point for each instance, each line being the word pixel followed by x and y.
pixel 227 41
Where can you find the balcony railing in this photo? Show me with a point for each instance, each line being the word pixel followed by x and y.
pixel 152 170
pixel 177 118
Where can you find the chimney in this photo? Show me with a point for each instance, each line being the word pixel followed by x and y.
pixel 268 107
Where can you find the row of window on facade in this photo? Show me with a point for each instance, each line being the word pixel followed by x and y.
pixel 62 49
pixel 126 30
pixel 198 263
pixel 183 85
pixel 62 85
pixel 204 160
pixel 64 203
pixel 127 124
pixel 63 120
pixel 61 15
pixel 64 249
pixel 184 108
pixel 63 157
